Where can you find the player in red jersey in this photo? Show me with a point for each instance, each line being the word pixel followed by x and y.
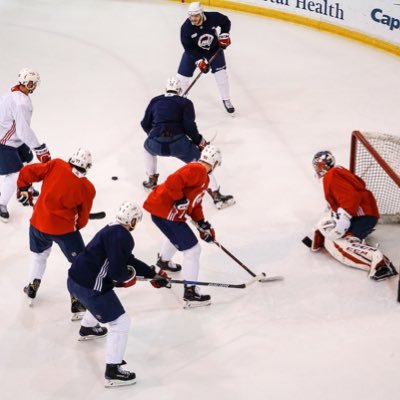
pixel 353 214
pixel 62 209
pixel 169 204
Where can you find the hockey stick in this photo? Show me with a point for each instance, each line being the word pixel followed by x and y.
pixel 217 284
pixel 213 57
pixel 97 215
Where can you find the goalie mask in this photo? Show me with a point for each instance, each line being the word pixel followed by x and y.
pixel 81 160
pixel 27 75
pixel 129 214
pixel 322 162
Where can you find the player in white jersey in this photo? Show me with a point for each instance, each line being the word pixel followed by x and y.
pixel 16 136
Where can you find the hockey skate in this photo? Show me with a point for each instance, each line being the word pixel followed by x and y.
pixel 4 214
pixel 168 265
pixel 116 376
pixel 384 270
pixel 228 106
pixel 193 298
pixel 151 183
pixel 220 200
pixel 93 332
pixel 31 290
pixel 77 309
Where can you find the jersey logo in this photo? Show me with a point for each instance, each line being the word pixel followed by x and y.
pixel 205 41
pixel 194 35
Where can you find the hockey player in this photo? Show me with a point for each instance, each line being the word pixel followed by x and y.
pixel 107 262
pixel 61 210
pixel 16 136
pixel 352 217
pixel 169 204
pixel 202 35
pixel 169 122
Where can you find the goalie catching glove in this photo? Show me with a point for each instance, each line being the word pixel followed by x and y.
pixel 130 281
pixel 335 226
pixel 207 232
pixel 25 195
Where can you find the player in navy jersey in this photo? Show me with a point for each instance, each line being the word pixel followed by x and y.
pixel 108 262
pixel 202 35
pixel 169 122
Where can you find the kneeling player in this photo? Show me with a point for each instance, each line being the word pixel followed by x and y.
pixel 352 217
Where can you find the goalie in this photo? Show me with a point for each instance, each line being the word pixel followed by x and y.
pixel 352 216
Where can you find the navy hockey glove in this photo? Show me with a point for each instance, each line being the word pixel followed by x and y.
pixel 25 195
pixel 130 281
pixel 224 40
pixel 42 153
pixel 203 65
pixel 207 232
pixel 161 279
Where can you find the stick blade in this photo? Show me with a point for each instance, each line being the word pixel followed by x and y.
pixel 97 215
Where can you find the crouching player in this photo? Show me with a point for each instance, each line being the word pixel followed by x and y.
pixel 107 262
pixel 353 214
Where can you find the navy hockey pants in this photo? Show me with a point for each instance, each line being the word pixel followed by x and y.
pixel 12 159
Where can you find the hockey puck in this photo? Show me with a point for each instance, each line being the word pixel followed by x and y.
pixel 114 178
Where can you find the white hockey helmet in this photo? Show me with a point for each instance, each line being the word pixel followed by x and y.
pixel 211 155
pixel 195 9
pixel 27 75
pixel 81 160
pixel 129 213
pixel 322 162
pixel 173 85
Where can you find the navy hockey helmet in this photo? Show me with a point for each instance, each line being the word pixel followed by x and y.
pixel 322 162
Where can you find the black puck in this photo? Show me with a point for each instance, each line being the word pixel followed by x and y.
pixel 114 178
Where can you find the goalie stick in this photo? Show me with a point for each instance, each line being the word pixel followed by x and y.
pixel 97 215
pixel 217 284
pixel 213 57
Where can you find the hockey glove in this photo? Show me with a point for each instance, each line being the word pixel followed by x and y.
pixel 203 143
pixel 203 65
pixel 161 279
pixel 130 281
pixel 25 195
pixel 224 40
pixel 180 207
pixel 335 226
pixel 42 153
pixel 207 232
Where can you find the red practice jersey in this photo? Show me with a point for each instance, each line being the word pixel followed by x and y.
pixel 65 200
pixel 190 181
pixel 346 190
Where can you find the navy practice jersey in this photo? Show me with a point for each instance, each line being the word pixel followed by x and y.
pixel 105 260
pixel 170 116
pixel 202 41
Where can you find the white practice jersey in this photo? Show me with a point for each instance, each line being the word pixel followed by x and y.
pixel 15 119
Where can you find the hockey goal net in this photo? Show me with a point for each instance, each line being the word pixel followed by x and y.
pixel 375 157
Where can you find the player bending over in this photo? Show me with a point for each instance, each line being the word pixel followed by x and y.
pixel 352 217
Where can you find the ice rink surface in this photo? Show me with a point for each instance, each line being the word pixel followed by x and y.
pixel 325 332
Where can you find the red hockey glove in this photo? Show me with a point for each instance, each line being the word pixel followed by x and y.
pixel 161 279
pixel 203 143
pixel 224 40
pixel 130 281
pixel 25 195
pixel 203 65
pixel 42 153
pixel 207 232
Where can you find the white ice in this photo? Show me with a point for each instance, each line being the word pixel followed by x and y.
pixel 326 332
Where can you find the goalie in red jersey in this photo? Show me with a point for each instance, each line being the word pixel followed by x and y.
pixel 169 204
pixel 352 216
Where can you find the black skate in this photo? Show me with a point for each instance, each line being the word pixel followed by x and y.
pixel 77 309
pixel 193 298
pixel 220 200
pixel 228 106
pixel 31 290
pixel 116 376
pixel 151 183
pixel 92 332
pixel 4 214
pixel 384 270
pixel 168 265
